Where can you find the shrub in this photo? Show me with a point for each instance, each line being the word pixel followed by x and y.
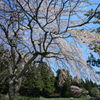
pixel 84 92
pixel 95 92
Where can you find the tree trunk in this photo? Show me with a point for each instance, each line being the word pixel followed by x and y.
pixel 13 89
pixel 11 92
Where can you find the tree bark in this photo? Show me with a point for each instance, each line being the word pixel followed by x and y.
pixel 13 89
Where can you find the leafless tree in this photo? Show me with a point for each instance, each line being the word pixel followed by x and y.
pixel 36 30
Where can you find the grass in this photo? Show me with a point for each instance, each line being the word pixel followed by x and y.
pixel 68 99
pixel 41 98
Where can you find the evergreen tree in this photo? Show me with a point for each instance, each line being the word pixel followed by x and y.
pixel 66 90
pixel 32 84
pixel 47 78
pixel 63 83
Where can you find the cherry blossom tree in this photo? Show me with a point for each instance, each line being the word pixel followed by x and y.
pixel 36 31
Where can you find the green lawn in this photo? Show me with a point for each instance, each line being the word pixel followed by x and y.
pixel 68 99
pixel 28 98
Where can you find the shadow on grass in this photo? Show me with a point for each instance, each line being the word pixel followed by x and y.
pixel 5 97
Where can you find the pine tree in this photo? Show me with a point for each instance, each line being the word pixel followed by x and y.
pixel 47 78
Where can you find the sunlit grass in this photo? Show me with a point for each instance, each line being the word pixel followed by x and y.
pixel 2 97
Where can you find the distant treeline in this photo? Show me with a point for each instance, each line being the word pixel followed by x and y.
pixel 40 81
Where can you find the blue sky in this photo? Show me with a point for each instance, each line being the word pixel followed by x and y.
pixel 85 49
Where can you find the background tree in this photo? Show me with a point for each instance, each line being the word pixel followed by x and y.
pixel 32 84
pixel 93 61
pixel 48 79
pixel 3 70
pixel 63 83
pixel 66 89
